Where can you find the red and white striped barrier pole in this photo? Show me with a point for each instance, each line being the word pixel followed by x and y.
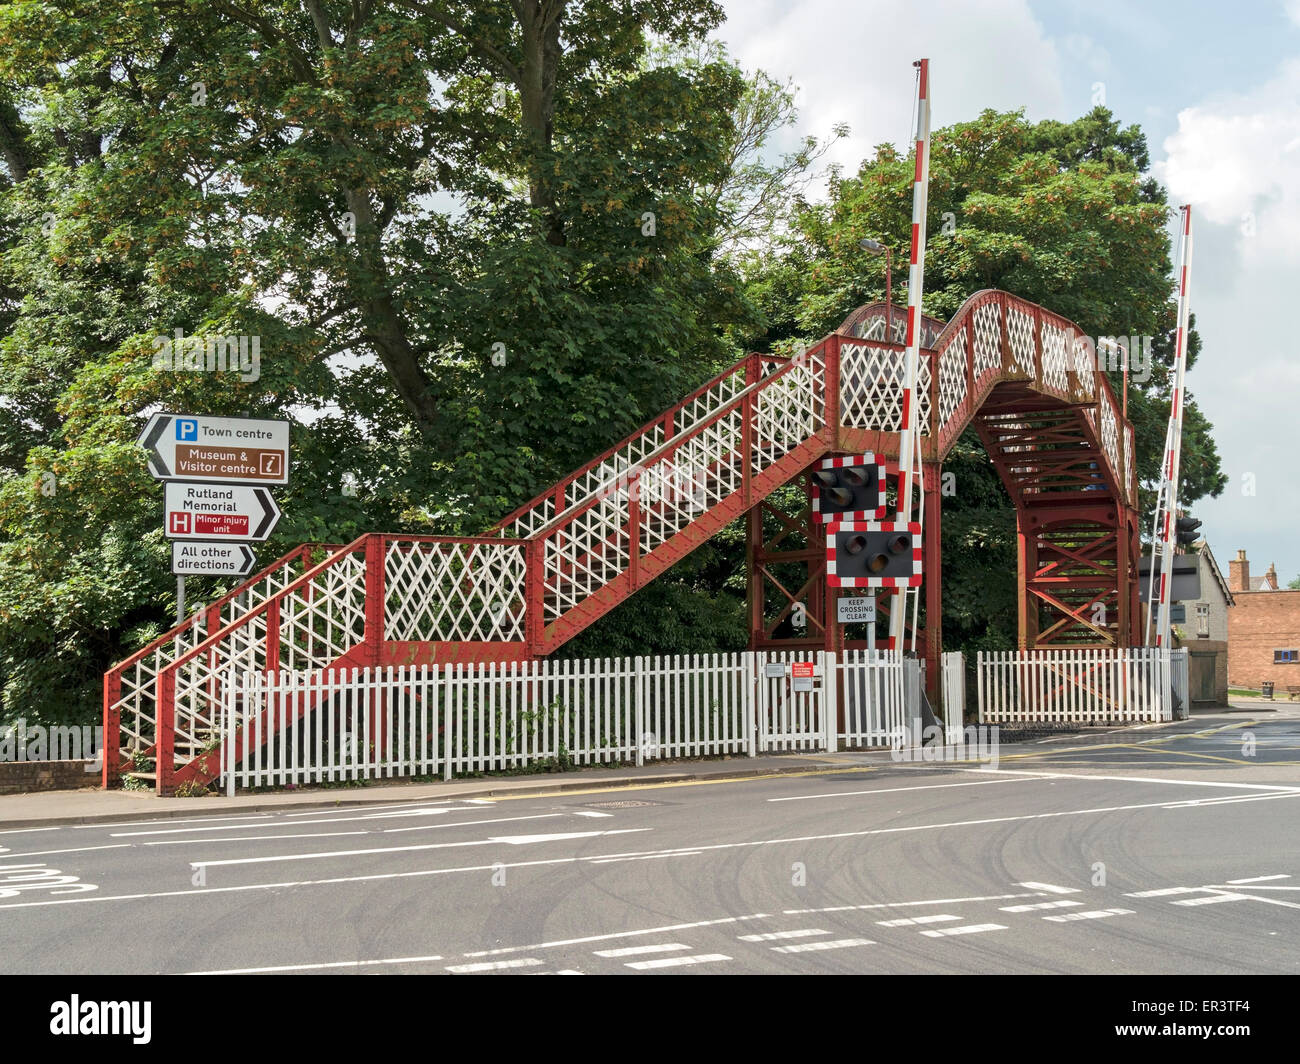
pixel 1174 440
pixel 909 439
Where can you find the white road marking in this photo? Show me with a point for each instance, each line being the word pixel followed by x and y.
pixel 28 831
pixel 246 838
pixel 1091 914
pixel 513 840
pixel 1162 892
pixel 1133 779
pixel 812 947
pixel 568 971
pixel 79 849
pixel 440 811
pixel 1256 879
pixel 168 820
pixel 469 823
pixel 912 921
pixel 1061 904
pixel 493 966
pixel 894 790
pixel 632 951
pixel 647 857
pixel 317 967
pixel 1213 899
pixel 592 813
pixel 619 934
pixel 965 929
pixel 192 831
pixel 443 803
pixel 1049 888
pixel 677 962
pixel 774 936
pixel 906 904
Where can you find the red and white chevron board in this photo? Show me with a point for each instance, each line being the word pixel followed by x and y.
pixel 873 581
pixel 870 458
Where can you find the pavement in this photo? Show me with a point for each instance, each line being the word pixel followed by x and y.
pixel 1173 849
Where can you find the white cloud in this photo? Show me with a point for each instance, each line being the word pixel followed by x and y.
pixel 853 60
pixel 1237 161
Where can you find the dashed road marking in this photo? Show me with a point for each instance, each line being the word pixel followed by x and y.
pixel 1162 892
pixel 965 929
pixel 774 936
pixel 319 967
pixel 1256 879
pixel 812 947
pixel 493 966
pixel 1063 903
pixel 938 918
pixel 1050 888
pixel 1214 899
pixel 632 951
pixel 1091 914
pixel 677 962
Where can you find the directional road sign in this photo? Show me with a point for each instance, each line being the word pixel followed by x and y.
pixel 218 511
pixel 212 559
pixel 222 449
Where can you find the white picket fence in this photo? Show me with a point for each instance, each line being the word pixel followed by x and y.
pixel 297 728
pixel 1084 685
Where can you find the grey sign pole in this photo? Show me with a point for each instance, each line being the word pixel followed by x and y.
pixel 180 600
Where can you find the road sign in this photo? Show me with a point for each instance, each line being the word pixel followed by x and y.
pixel 856 609
pixel 212 559
pixel 221 449
pixel 218 511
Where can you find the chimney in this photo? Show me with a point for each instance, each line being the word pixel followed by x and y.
pixel 1270 577
pixel 1239 573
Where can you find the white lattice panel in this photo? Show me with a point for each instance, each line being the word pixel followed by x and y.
pixel 584 555
pixel 1128 464
pixel 1020 338
pixel 1085 367
pixel 952 378
pixel 1109 434
pixel 789 410
pixel 455 592
pixel 988 338
pixel 1054 369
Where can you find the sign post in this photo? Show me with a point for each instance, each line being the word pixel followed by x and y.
pixel 217 471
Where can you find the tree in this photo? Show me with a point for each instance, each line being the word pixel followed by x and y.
pixel 477 241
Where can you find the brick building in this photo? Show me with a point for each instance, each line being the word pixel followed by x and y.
pixel 1263 629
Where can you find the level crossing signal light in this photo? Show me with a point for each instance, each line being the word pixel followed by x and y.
pixel 849 488
pixel 1185 531
pixel 873 554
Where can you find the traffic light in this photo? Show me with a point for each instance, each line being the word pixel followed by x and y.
pixel 873 554
pixel 1185 531
pixel 851 488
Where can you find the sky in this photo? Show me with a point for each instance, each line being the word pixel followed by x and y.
pixel 1216 89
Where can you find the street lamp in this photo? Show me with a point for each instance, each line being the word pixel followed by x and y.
pixel 875 247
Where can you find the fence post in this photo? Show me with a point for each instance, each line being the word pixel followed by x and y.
pixel 752 666
pixel 638 704
pixel 830 707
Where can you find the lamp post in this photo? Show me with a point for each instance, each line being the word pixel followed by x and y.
pixel 875 247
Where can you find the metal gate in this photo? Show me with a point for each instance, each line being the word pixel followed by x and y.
pixel 790 719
